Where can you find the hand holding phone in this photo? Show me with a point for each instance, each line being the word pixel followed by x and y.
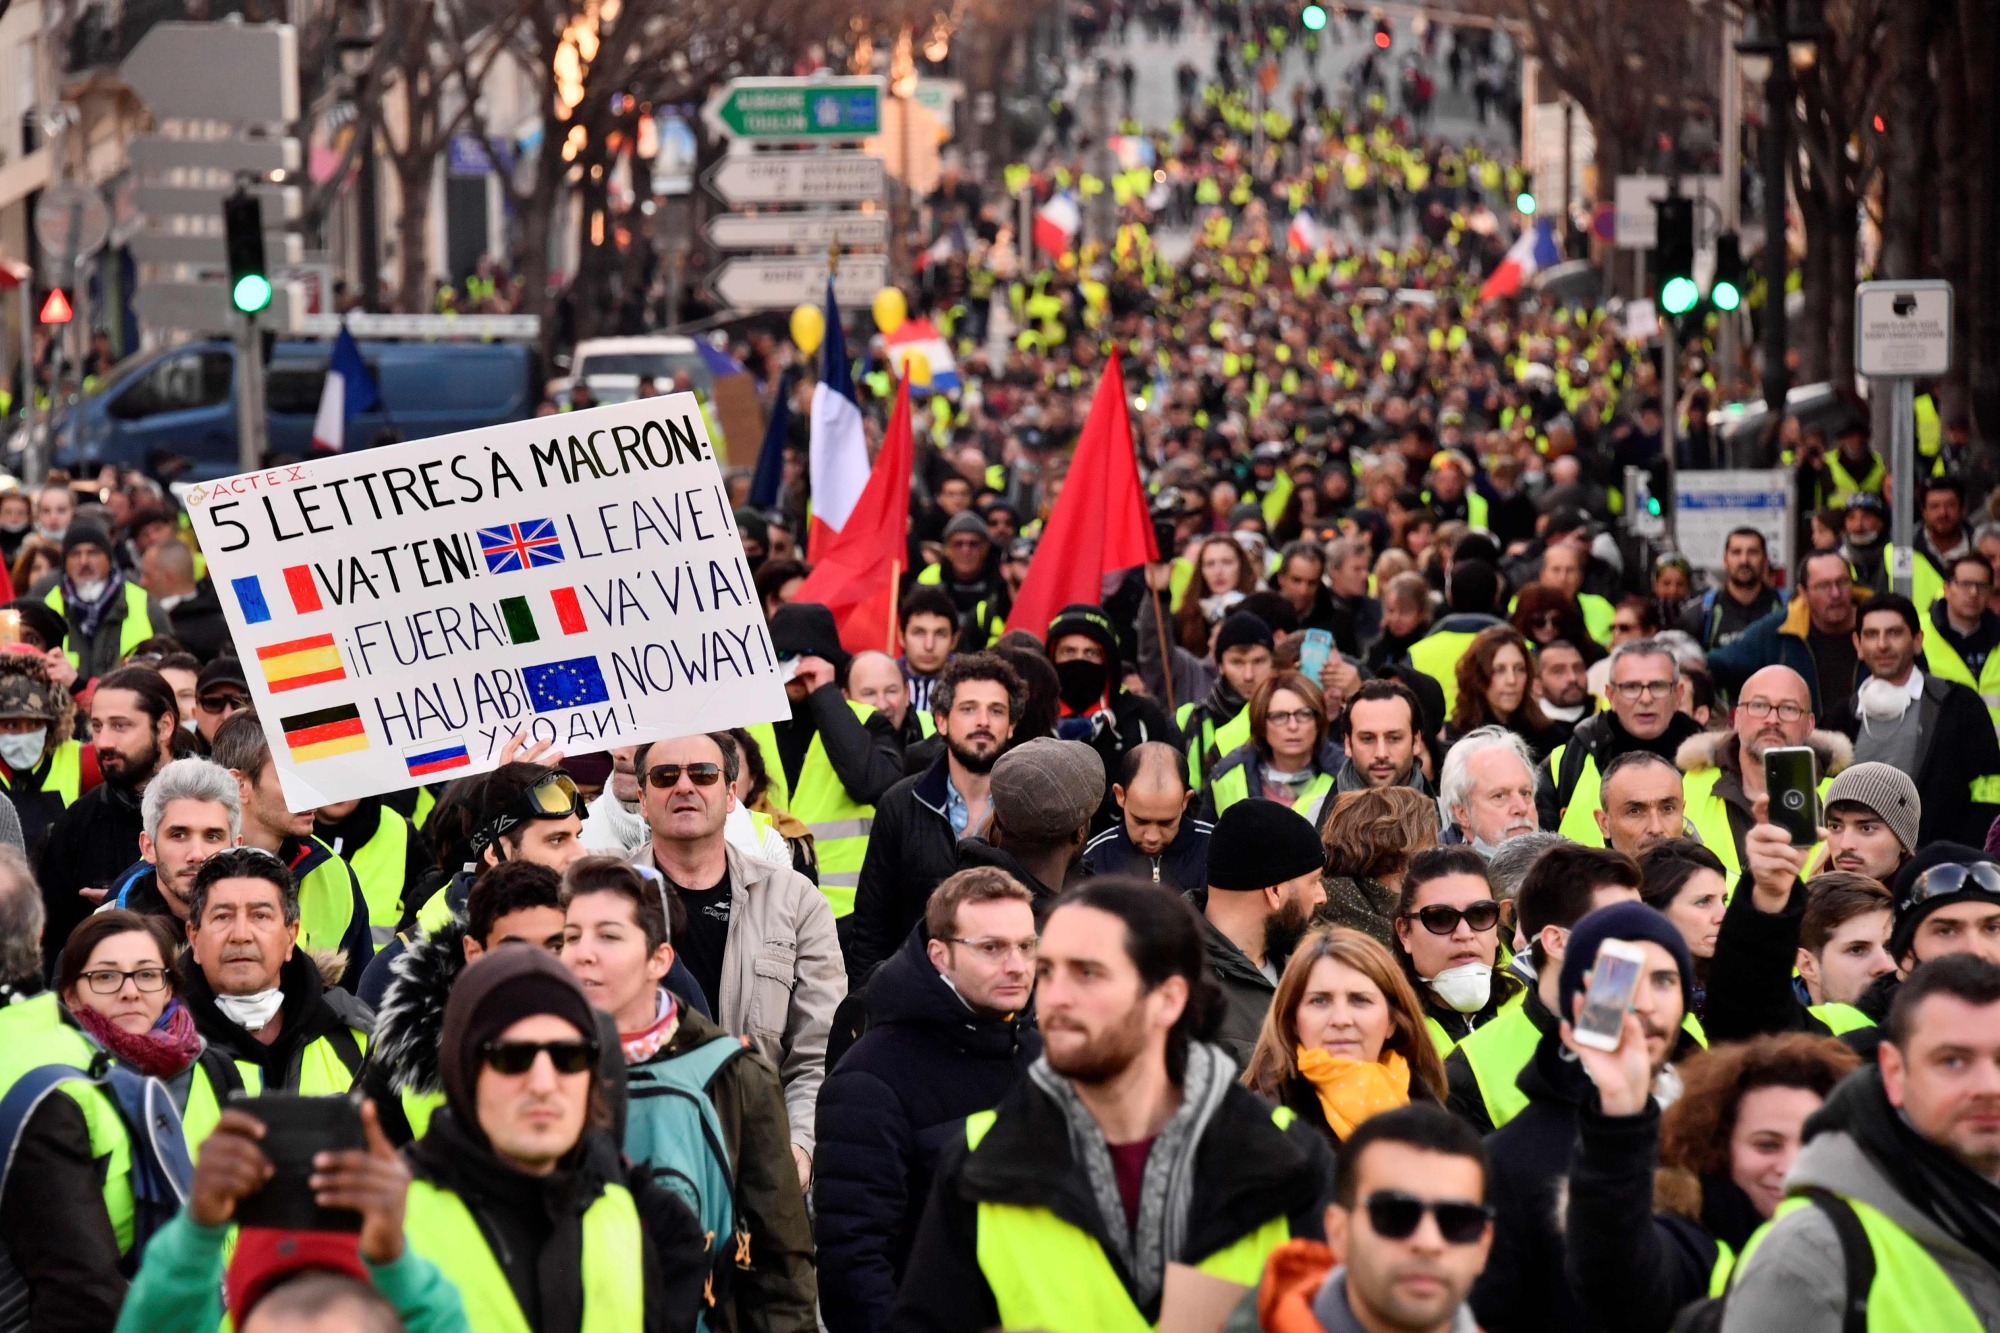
pixel 294 1133
pixel 1607 1037
pixel 1791 777
pixel 1313 652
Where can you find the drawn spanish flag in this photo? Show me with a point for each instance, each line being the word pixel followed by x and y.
pixel 297 663
pixel 325 732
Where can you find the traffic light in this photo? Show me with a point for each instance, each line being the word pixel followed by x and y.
pixel 1313 17
pixel 1673 256
pixel 1524 203
pixel 243 239
pixel 1726 292
pixel 1384 34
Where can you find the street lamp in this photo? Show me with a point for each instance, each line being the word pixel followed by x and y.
pixel 1771 48
pixel 355 42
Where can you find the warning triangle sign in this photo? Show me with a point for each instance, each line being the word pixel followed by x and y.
pixel 56 309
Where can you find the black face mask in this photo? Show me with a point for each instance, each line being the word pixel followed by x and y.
pixel 1081 683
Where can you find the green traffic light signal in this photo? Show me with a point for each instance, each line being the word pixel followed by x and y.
pixel 251 293
pixel 1679 294
pixel 1725 295
pixel 1524 203
pixel 1313 17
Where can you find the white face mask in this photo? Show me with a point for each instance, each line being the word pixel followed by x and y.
pixel 1465 988
pixel 1879 701
pixel 90 592
pixel 23 750
pixel 252 1013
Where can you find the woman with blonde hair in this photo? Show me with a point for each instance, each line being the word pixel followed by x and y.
pixel 1344 1036
pixel 1369 839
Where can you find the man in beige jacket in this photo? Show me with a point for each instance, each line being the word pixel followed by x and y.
pixel 758 937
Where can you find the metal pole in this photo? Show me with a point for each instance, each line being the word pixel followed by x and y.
pixel 81 313
pixel 1902 471
pixel 368 215
pixel 1777 147
pixel 1569 175
pixel 32 460
pixel 1729 335
pixel 250 422
pixel 1670 401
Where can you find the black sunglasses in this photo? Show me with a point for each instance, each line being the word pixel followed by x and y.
pixel 518 1057
pixel 222 703
pixel 1441 919
pixel 664 776
pixel 1396 1216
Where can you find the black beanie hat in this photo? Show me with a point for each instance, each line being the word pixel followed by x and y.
pixel 1241 630
pixel 507 986
pixel 85 532
pixel 1910 915
pixel 1621 921
pixel 1088 620
pixel 1257 844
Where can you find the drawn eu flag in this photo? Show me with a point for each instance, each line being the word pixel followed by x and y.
pixel 570 683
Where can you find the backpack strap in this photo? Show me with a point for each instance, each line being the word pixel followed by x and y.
pixel 348 1049
pixel 19 1105
pixel 1856 1252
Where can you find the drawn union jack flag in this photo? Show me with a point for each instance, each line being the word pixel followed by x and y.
pixel 526 545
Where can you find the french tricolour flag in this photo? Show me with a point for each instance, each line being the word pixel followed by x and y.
pixel 1056 224
pixel 1304 233
pixel 838 460
pixel 1535 251
pixel 350 390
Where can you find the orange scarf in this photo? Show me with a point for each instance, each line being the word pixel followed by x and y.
pixel 1352 1090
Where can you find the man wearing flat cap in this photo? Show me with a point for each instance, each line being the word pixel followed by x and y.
pixel 1044 794
pixel 833 759
pixel 107 615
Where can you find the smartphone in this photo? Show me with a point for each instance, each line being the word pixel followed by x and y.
pixel 295 1130
pixel 1791 778
pixel 1313 653
pixel 1613 982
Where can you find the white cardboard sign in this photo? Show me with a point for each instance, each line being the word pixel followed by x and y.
pixel 401 612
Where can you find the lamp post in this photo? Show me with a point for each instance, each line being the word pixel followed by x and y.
pixel 356 44
pixel 1770 46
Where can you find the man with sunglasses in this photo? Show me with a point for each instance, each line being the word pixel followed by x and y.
pixel 1525 1285
pixel 1407 1234
pixel 1645 681
pixel 220 693
pixel 759 936
pixel 517 1193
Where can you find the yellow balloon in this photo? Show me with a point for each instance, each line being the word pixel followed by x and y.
pixel 808 328
pixel 890 309
pixel 918 367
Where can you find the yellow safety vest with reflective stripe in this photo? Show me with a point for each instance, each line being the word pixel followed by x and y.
pixel 1926 584
pixel 1497 1053
pixel 1050 1276
pixel 839 823
pixel 322 1073
pixel 441 1228
pixel 1213 742
pixel 380 864
pixel 1846 485
pixel 1941 659
pixel 1841 1018
pixel 326 903
pixel 1911 1292
pixel 1437 655
pixel 1439 1037
pixel 1597 616
pixel 136 629
pixel 65 775
pixel 1234 785
pixel 1579 821
pixel 1709 814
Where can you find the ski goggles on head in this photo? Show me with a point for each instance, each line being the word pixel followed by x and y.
pixel 1944 881
pixel 553 797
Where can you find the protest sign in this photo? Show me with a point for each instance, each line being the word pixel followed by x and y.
pixel 401 612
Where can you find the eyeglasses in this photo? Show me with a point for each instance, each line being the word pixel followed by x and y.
pixel 664 776
pixel 1297 717
pixel 1637 689
pixel 1973 585
pixel 995 950
pixel 1945 880
pixel 222 703
pixel 1443 919
pixel 110 981
pixel 1762 708
pixel 1395 1215
pixel 518 1057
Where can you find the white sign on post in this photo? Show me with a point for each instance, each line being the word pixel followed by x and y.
pixel 1902 328
pixel 1708 506
pixel 1635 221
pixel 401 612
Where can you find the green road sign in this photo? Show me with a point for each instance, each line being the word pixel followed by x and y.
pixel 807 109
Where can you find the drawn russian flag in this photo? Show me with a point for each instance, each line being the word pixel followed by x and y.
pixel 424 760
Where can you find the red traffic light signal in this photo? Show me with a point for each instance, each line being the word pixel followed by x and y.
pixel 1383 34
pixel 56 310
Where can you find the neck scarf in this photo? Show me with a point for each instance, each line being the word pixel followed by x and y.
pixel 163 1051
pixel 1167 1189
pixel 1352 1090
pixel 643 1046
pixel 91 614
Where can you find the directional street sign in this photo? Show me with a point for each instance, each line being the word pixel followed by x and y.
pixel 1902 328
pixel 779 282
pixel 815 110
pixel 243 73
pixel 797 178
pixel 765 231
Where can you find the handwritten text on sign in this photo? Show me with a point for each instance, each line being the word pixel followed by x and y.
pixel 401 612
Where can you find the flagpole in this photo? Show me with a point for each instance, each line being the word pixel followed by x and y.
pixel 895 598
pixel 1166 653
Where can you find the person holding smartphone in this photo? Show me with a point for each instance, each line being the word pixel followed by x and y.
pixel 1524 1286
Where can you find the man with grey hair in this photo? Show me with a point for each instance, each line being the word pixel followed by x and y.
pixel 191 811
pixel 1644 688
pixel 1486 792
pixel 22 917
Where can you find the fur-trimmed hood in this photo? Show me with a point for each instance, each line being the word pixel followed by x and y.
pixel 1705 750
pixel 410 1022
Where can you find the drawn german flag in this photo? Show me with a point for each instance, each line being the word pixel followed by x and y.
pixel 297 663
pixel 325 732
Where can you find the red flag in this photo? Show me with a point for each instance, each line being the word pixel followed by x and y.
pixel 855 577
pixel 1100 523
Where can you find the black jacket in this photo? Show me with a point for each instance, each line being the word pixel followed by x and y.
pixel 312 1009
pixel 1750 991
pixel 1959 748
pixel 1602 737
pixel 979 852
pixel 866 756
pixel 89 846
pixel 1246 1172
pixel 1246 993
pixel 1182 865
pixel 1135 719
pixel 896 1099
pixel 198 622
pixel 911 849
pixel 1462 1097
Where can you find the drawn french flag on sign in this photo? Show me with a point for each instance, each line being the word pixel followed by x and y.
pixel 530 544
